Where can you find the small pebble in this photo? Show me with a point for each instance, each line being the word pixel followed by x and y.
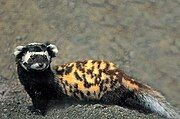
pixel 21 37
pixel 18 38
pixel 1 11
pixel 5 110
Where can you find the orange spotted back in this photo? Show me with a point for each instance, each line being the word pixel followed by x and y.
pixel 89 79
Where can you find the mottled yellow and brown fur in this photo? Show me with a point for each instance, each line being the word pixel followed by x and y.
pixel 91 79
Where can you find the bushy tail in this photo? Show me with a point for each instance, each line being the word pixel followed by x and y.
pixel 149 98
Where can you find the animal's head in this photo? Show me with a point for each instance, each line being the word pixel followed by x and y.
pixel 35 56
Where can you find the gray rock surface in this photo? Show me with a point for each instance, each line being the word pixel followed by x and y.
pixel 141 37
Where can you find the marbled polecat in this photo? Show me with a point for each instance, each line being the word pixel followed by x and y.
pixel 84 80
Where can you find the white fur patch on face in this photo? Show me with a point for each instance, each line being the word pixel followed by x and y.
pixel 54 48
pixel 34 43
pixel 26 57
pixel 18 50
pixel 37 66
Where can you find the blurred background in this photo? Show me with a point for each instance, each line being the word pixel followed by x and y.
pixel 141 37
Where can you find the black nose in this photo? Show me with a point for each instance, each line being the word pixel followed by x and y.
pixel 40 64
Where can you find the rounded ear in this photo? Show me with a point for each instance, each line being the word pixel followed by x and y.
pixel 52 50
pixel 18 50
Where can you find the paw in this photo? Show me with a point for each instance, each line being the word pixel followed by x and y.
pixel 37 111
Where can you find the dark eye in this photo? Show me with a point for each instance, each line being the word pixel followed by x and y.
pixel 31 49
pixel 24 63
pixel 43 47
pixel 32 57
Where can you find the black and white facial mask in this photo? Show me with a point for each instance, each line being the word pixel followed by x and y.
pixel 35 56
